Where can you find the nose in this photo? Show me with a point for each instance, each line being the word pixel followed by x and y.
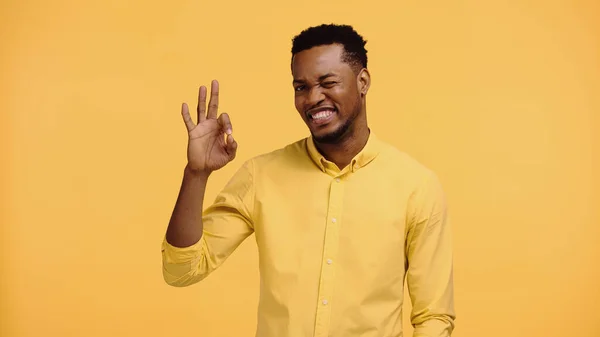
pixel 315 96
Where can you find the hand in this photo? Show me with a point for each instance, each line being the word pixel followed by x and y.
pixel 208 147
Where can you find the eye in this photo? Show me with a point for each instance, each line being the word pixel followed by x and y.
pixel 299 88
pixel 328 84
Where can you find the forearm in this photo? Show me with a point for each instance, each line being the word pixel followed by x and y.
pixel 185 226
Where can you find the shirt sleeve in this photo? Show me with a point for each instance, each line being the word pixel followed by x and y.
pixel 429 259
pixel 226 224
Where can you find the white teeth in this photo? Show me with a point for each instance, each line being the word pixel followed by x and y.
pixel 322 114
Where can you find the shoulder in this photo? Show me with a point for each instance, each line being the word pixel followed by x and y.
pixel 401 162
pixel 420 182
pixel 423 186
pixel 273 163
pixel 290 154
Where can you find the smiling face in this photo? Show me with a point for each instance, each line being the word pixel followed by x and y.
pixel 329 93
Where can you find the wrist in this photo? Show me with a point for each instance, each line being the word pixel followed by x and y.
pixel 196 173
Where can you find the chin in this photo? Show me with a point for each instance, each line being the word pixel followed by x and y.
pixel 332 136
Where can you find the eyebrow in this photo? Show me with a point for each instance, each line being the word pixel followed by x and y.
pixel 321 78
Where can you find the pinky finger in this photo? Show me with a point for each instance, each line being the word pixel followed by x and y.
pixel 187 119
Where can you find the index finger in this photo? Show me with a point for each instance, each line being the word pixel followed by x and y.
pixel 213 104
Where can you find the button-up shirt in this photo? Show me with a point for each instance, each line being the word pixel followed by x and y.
pixel 335 246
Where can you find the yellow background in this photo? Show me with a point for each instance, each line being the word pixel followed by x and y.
pixel 500 98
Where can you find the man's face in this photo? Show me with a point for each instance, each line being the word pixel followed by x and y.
pixel 327 93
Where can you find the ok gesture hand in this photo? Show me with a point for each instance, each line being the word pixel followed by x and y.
pixel 210 141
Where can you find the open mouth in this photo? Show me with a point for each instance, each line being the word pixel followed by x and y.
pixel 322 116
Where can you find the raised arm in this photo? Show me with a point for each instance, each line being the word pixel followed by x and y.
pixel 190 250
pixel 207 151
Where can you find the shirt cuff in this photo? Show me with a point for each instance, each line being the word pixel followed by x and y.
pixel 175 255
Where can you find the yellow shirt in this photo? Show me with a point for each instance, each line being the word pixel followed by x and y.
pixel 335 246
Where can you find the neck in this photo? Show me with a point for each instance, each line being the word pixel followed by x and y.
pixel 348 147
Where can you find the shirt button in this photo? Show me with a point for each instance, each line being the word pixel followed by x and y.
pixel 337 180
pixel 333 220
pixel 325 302
pixel 329 261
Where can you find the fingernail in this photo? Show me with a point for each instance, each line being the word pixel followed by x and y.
pixel 228 131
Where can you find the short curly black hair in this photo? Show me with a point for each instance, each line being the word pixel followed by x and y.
pixel 354 44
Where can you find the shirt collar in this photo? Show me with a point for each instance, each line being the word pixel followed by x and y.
pixel 364 157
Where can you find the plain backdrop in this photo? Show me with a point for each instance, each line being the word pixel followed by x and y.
pixel 500 98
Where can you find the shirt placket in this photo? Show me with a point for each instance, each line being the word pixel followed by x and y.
pixel 330 249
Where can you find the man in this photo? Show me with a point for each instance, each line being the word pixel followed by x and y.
pixel 341 218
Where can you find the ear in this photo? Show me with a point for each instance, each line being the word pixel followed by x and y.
pixel 364 81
